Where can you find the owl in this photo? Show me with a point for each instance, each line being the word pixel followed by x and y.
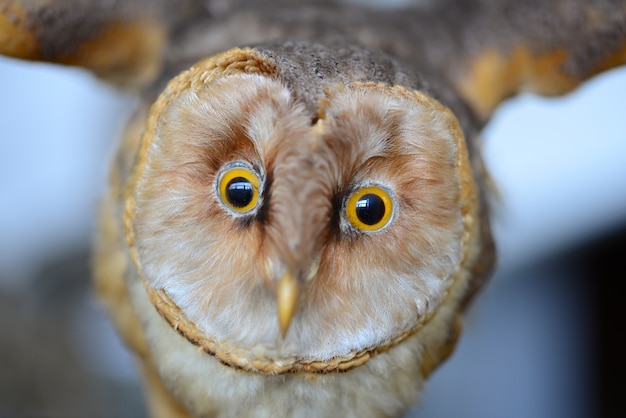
pixel 297 215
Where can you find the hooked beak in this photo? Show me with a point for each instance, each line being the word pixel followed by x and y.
pixel 286 300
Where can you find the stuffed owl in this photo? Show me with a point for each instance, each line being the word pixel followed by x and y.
pixel 297 214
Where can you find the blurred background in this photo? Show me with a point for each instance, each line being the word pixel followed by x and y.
pixel 546 338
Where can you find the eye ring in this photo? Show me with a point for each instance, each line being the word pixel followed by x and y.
pixel 370 208
pixel 238 188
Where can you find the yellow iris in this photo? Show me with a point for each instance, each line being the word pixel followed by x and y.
pixel 369 208
pixel 239 189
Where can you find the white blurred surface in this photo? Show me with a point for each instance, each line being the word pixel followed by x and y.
pixel 560 165
pixel 58 130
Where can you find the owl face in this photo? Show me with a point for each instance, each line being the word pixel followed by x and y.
pixel 281 239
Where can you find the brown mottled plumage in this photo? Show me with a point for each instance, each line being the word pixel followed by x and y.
pixel 234 255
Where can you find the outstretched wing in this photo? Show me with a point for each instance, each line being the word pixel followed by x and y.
pixel 122 41
pixel 547 47
pixel 488 49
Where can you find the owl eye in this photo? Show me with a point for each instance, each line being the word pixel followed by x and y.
pixel 369 208
pixel 238 188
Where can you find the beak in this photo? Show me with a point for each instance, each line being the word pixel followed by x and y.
pixel 287 299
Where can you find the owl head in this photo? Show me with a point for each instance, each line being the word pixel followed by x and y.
pixel 288 222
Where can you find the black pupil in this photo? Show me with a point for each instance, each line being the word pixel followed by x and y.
pixel 370 209
pixel 239 192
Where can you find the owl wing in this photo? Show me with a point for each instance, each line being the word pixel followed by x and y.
pixel 121 41
pixel 487 49
pixel 502 47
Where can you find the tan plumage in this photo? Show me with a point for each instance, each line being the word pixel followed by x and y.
pixel 234 253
